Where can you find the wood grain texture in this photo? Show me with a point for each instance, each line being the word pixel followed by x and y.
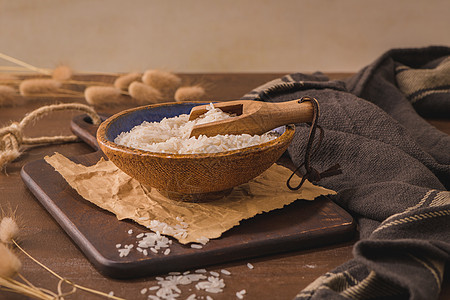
pixel 301 225
pixel 278 276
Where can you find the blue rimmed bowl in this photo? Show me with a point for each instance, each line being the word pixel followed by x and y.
pixel 186 177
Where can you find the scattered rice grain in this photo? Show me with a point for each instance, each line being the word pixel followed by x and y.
pixel 174 273
pixel 192 297
pixel 241 294
pixel 311 266
pixel 203 240
pixel 200 271
pixel 124 252
pixel 212 285
pixel 250 266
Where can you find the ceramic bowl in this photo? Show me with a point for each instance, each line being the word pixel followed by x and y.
pixel 186 177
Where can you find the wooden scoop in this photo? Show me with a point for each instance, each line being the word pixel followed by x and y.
pixel 252 117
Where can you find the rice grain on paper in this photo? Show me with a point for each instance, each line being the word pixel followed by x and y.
pixel 111 189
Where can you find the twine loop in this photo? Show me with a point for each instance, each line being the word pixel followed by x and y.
pixel 61 294
pixel 311 173
pixel 12 137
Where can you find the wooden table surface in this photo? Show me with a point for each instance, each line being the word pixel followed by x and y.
pixel 273 277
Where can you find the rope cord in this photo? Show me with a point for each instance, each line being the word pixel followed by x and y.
pixel 311 173
pixel 12 138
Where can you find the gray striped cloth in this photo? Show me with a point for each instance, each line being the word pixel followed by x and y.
pixel 395 170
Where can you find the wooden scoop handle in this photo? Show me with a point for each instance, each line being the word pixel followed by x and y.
pixel 283 113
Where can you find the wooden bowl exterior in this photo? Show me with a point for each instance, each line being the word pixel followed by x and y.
pixel 191 173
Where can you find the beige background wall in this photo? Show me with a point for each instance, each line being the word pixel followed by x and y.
pixel 217 36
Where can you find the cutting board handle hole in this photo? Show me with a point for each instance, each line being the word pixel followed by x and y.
pixel 88 119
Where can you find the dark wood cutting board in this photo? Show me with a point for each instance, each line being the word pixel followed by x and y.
pixel 300 225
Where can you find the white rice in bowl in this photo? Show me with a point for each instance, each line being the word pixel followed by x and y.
pixel 171 135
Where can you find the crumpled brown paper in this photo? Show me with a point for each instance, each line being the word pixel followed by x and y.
pixel 111 189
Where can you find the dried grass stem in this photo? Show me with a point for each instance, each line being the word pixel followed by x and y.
pixel 24 64
pixel 23 289
pixel 62 278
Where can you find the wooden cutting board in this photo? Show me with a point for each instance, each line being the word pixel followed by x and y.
pixel 300 225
